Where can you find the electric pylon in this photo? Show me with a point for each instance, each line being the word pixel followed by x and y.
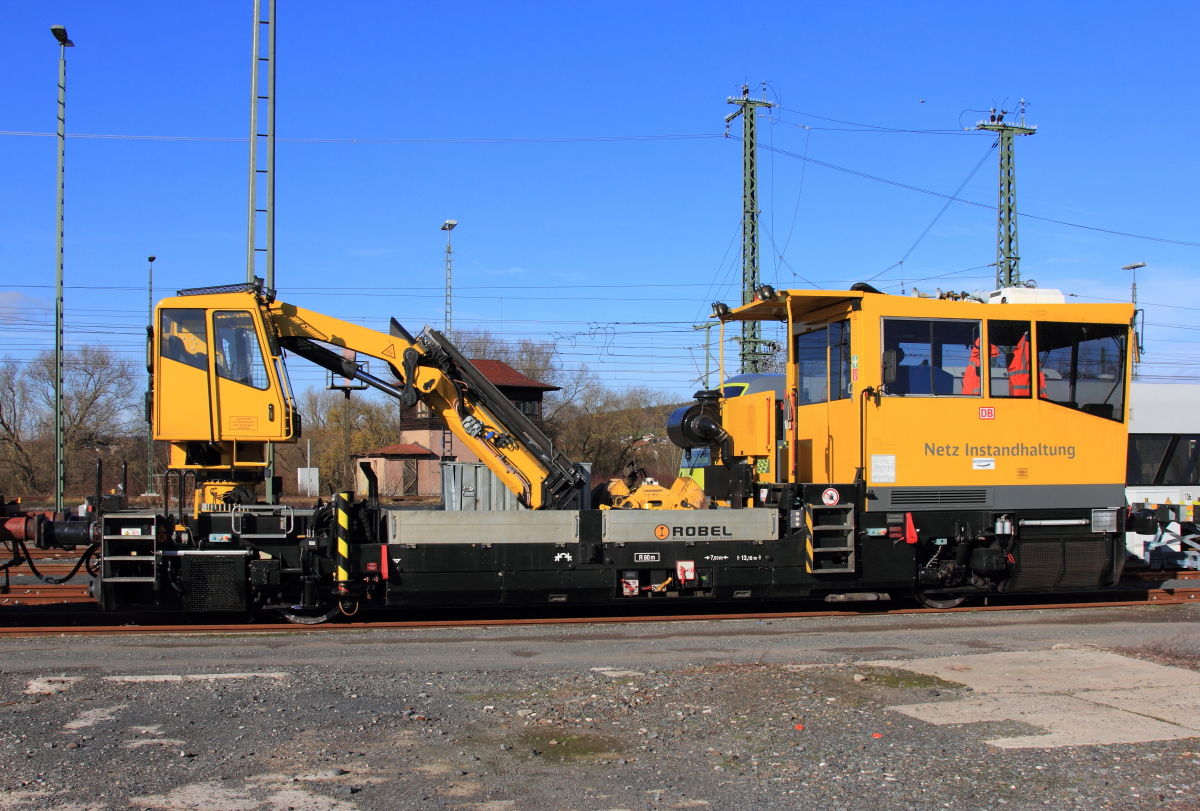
pixel 1008 258
pixel 753 355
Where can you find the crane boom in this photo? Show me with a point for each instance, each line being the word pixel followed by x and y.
pixel 222 436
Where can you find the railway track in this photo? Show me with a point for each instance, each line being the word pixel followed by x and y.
pixel 1175 596
pixel 27 593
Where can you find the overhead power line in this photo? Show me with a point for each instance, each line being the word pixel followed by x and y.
pixel 219 139
pixel 951 197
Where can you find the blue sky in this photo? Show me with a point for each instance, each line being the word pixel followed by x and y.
pixel 568 240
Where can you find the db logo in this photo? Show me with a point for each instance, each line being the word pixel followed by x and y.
pixel 830 497
pixel 987 413
pixel 662 532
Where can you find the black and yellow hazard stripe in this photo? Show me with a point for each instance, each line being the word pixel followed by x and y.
pixel 808 538
pixel 341 535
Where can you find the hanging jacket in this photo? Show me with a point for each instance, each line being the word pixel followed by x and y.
pixel 1019 371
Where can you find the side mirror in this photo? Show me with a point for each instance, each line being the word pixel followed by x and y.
pixel 889 366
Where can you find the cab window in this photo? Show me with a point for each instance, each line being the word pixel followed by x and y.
pixel 812 361
pixel 238 354
pixel 1009 348
pixel 1082 366
pixel 183 337
pixel 933 357
pixel 840 385
pixel 823 362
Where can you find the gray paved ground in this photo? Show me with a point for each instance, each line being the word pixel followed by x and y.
pixel 734 715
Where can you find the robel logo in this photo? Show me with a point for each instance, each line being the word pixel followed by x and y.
pixel 830 496
pixel 662 532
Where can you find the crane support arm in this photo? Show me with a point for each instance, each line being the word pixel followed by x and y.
pixel 431 368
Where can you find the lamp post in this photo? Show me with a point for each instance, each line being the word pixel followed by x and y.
pixel 448 226
pixel 1133 293
pixel 60 467
pixel 150 387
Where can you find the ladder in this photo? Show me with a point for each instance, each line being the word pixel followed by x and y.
pixel 129 547
pixel 830 542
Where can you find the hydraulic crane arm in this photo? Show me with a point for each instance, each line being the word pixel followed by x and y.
pixel 427 368
pixel 432 369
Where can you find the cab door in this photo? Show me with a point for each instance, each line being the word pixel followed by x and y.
pixel 182 397
pixel 248 404
pixel 825 422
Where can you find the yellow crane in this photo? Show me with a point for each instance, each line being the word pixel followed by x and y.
pixel 221 392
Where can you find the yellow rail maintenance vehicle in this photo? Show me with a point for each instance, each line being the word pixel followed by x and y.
pixel 952 446
pixel 939 447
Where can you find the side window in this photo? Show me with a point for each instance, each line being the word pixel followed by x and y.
pixel 812 361
pixel 840 386
pixel 1009 345
pixel 183 337
pixel 1083 366
pixel 934 357
pixel 1180 467
pixel 530 408
pixel 238 354
pixel 1145 457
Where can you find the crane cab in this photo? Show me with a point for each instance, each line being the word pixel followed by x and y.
pixel 220 389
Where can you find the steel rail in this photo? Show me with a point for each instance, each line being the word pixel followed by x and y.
pixel 1154 597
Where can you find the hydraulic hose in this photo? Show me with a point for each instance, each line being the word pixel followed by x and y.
pixel 53 581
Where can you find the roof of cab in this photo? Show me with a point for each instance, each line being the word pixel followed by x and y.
pixel 775 308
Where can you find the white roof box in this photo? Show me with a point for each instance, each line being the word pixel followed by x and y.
pixel 1026 295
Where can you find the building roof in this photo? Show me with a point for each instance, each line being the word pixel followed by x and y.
pixel 500 373
pixel 403 449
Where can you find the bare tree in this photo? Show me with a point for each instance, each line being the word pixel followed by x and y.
pixel 23 445
pixel 612 427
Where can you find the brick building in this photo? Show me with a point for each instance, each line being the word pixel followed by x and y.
pixel 411 469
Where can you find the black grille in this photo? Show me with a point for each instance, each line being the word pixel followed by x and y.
pixel 1039 565
pixel 242 287
pixel 1060 563
pixel 904 498
pixel 213 585
pixel 1086 562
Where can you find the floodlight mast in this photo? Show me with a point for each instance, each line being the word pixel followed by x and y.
pixel 448 226
pixel 60 464
pixel 1137 335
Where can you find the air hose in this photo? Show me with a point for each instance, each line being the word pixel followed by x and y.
pixel 53 581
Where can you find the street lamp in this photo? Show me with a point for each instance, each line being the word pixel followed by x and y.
pixel 150 386
pixel 1133 290
pixel 60 467
pixel 448 226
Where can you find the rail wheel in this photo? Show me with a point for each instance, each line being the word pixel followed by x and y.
pixel 939 599
pixel 308 616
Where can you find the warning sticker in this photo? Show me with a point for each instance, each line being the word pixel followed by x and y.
pixel 243 423
pixel 883 468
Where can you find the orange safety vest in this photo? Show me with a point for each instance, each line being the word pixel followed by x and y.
pixel 971 376
pixel 970 384
pixel 1018 369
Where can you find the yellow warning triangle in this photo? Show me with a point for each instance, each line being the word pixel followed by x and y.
pixel 390 352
